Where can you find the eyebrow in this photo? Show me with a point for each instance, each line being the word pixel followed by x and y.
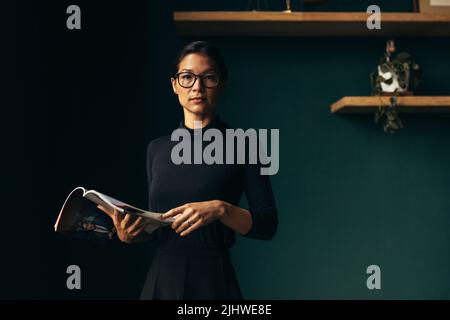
pixel 190 70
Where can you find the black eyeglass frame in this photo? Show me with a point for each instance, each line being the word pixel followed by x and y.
pixel 176 76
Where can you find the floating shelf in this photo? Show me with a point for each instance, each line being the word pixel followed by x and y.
pixel 268 23
pixel 406 104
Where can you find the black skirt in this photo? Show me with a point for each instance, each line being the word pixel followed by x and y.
pixel 191 273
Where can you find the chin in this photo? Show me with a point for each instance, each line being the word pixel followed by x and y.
pixel 200 109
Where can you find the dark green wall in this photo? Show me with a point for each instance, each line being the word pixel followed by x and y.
pixel 85 104
pixel 348 194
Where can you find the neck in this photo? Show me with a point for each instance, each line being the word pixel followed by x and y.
pixel 205 119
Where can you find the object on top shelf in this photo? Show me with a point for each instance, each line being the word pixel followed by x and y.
pixel 288 7
pixel 434 6
pixel 261 5
pixel 416 7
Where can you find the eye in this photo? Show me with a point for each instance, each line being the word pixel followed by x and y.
pixel 186 76
pixel 211 77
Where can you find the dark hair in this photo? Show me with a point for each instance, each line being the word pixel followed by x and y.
pixel 208 50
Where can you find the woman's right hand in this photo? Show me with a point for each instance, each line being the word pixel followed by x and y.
pixel 129 228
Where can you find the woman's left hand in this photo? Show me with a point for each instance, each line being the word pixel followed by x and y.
pixel 192 216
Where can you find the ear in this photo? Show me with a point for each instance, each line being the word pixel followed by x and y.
pixel 174 86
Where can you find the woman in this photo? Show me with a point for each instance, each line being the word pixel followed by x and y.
pixel 192 259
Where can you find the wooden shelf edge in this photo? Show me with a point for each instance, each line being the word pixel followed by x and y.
pixel 270 23
pixel 366 104
pixel 258 16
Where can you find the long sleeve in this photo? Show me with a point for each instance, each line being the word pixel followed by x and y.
pixel 149 162
pixel 154 236
pixel 258 191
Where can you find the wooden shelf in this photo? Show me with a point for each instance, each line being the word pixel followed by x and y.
pixel 250 23
pixel 370 104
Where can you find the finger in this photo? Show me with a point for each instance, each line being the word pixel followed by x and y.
pixel 173 212
pixel 182 218
pixel 192 228
pixel 139 223
pixel 127 221
pixel 139 230
pixel 131 220
pixel 187 223
pixel 135 224
pixel 119 216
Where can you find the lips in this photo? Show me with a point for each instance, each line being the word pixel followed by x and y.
pixel 197 99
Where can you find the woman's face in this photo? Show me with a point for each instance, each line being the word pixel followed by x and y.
pixel 198 99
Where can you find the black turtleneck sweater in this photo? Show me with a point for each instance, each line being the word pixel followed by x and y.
pixel 173 185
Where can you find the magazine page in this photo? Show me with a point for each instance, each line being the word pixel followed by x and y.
pixel 123 207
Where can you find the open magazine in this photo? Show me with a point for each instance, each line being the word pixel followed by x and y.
pixel 80 218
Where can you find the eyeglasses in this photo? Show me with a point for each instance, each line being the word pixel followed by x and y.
pixel 187 79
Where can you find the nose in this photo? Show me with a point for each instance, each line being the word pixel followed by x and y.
pixel 198 84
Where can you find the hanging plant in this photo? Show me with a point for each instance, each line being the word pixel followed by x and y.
pixel 389 116
pixel 396 75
